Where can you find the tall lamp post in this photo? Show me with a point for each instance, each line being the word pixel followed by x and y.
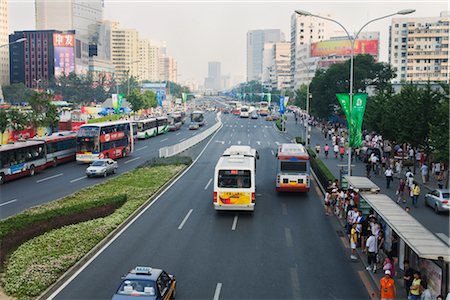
pixel 352 42
pixel 21 40
pixel 307 129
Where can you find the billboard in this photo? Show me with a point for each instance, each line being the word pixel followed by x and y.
pixel 64 44
pixel 343 47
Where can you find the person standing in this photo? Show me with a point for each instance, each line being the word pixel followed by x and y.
pixel 371 248
pixel 387 286
pixel 415 286
pixel 425 292
pixel 415 193
pixel 353 241
pixel 424 172
pixel 389 176
pixel 401 191
pixel 326 149
pixel 408 276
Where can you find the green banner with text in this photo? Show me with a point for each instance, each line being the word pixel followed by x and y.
pixel 356 115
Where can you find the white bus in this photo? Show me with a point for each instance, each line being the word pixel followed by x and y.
pixel 244 112
pixel 293 168
pixel 163 125
pixel 234 182
pixel 146 128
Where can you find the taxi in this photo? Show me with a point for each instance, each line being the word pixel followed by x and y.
pixel 148 283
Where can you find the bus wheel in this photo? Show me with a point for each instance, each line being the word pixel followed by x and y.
pixel 2 178
pixel 32 170
pixel 55 162
pixel 124 153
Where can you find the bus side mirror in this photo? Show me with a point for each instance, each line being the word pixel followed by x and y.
pixel 257 155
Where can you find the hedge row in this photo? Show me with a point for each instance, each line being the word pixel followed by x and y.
pixel 39 262
pixel 174 160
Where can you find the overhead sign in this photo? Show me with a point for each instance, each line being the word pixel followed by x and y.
pixel 343 47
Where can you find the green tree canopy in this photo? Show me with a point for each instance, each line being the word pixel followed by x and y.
pixel 16 93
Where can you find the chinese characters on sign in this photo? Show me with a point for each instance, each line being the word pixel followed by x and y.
pixel 64 53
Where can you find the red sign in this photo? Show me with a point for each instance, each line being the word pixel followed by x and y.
pixel 23 134
pixel 63 40
pixel 111 137
pixel 343 47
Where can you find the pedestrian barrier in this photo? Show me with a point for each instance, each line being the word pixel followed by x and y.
pixel 180 147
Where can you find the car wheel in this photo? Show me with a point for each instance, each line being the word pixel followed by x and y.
pixel 32 170
pixel 105 174
pixel 2 178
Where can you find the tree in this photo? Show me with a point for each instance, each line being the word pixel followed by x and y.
pixel 44 113
pixel 300 95
pixel 149 98
pixel 17 120
pixel 17 93
pixel 136 100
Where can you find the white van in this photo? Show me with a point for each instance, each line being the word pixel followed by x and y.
pixel 244 112
pixel 234 182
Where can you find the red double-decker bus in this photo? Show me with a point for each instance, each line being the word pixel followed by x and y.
pixel 104 140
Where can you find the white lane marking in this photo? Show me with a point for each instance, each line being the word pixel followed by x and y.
pixel 209 182
pixel 258 142
pixel 182 139
pixel 295 283
pixel 233 227
pixel 163 140
pixel 133 159
pixel 217 292
pixel 141 148
pixel 185 219
pixel 284 209
pixel 86 264
pixel 239 142
pixel 443 237
pixel 48 178
pixel 254 126
pixel 8 202
pixel 194 133
pixel 229 142
pixel 77 179
pixel 268 143
pixel 249 142
pixel 178 133
pixel 288 235
pixel 273 153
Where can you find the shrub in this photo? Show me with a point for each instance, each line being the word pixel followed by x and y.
pixel 173 160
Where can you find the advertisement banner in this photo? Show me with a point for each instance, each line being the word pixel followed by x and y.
pixel 269 98
pixel 355 118
pixel 281 104
pixel 343 47
pixel 242 198
pixel 184 97
pixel 64 61
pixel 286 100
pixel 117 102
pixel 159 97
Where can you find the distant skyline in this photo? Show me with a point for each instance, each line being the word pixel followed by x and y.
pixel 200 31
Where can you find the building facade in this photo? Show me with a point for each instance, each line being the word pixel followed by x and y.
pixel 418 48
pixel 44 55
pixel 149 60
pixel 168 69
pixel 304 31
pixel 255 45
pixel 214 79
pixel 125 52
pixel 4 50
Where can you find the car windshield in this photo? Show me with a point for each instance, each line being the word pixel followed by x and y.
pixel 137 287
pixel 98 163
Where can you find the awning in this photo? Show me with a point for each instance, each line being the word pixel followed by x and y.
pixel 422 241
pixel 362 183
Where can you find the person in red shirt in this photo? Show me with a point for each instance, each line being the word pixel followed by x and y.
pixel 387 286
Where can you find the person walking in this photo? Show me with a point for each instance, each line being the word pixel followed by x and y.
pixel 371 249
pixel 408 276
pixel 389 176
pixel 326 149
pixel 387 286
pixel 415 193
pixel 317 149
pixel 415 287
pixel 336 150
pixel 401 191
pixel 342 152
pixel 424 172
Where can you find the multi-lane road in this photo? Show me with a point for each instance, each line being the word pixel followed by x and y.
pixel 65 179
pixel 287 248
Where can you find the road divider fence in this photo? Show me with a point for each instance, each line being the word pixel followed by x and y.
pixel 184 145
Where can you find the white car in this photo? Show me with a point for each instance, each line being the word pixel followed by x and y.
pixel 102 167
pixel 438 200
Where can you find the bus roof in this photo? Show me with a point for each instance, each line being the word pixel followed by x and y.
pixel 56 136
pixel 197 112
pixel 236 162
pixel 146 120
pixel 288 151
pixel 104 124
pixel 239 150
pixel 18 145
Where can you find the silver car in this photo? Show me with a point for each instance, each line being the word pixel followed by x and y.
pixel 102 167
pixel 438 199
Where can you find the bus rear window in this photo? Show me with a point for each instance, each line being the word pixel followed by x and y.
pixel 291 166
pixel 234 179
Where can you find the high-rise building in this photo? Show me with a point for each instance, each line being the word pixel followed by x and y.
pixel 149 58
pixel 4 50
pixel 305 30
pixel 277 64
pixel 418 48
pixel 213 81
pixel 255 44
pixel 168 68
pixel 45 54
pixel 125 52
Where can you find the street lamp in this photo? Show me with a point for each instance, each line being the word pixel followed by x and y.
pixel 21 40
pixel 352 42
pixel 307 103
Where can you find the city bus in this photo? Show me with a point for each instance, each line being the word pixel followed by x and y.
pixel 175 121
pixel 244 112
pixel 21 159
pixel 234 182
pixel 235 107
pixel 146 128
pixel 264 108
pixel 104 140
pixel 162 124
pixel 60 147
pixel 293 168
pixel 198 117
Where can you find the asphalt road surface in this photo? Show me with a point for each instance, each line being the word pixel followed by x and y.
pixel 286 249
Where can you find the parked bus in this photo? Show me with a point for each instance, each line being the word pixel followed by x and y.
pixel 163 125
pixel 146 128
pixel 234 182
pixel 104 140
pixel 293 168
pixel 175 121
pixel 21 159
pixel 198 117
pixel 60 147
pixel 244 112
pixel 264 108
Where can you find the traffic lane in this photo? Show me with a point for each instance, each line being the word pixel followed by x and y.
pixel 54 183
pixel 154 239
pixel 425 215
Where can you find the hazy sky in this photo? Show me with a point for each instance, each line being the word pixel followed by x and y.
pixel 200 31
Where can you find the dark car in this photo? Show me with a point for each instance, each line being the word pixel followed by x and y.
pixel 146 282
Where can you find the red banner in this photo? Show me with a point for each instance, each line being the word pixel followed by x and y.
pixel 111 136
pixel 343 47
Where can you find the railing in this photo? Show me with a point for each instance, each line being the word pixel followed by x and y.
pixel 180 147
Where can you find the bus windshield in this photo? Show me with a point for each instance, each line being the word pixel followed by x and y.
pixel 234 179
pixel 87 145
pixel 244 109
pixel 293 167
pixel 197 117
pixel 88 131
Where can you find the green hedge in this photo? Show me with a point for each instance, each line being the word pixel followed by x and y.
pixel 160 161
pixel 322 172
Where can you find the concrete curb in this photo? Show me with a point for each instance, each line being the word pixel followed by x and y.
pixel 94 250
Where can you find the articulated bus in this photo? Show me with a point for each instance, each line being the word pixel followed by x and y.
pixel 146 128
pixel 163 125
pixel 175 121
pixel 264 108
pixel 293 168
pixel 104 140
pixel 60 147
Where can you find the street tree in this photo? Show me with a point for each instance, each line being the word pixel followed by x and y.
pixel 17 120
pixel 16 93
pixel 149 98
pixel 136 100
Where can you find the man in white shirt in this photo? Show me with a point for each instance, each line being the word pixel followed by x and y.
pixel 372 247
pixel 389 176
